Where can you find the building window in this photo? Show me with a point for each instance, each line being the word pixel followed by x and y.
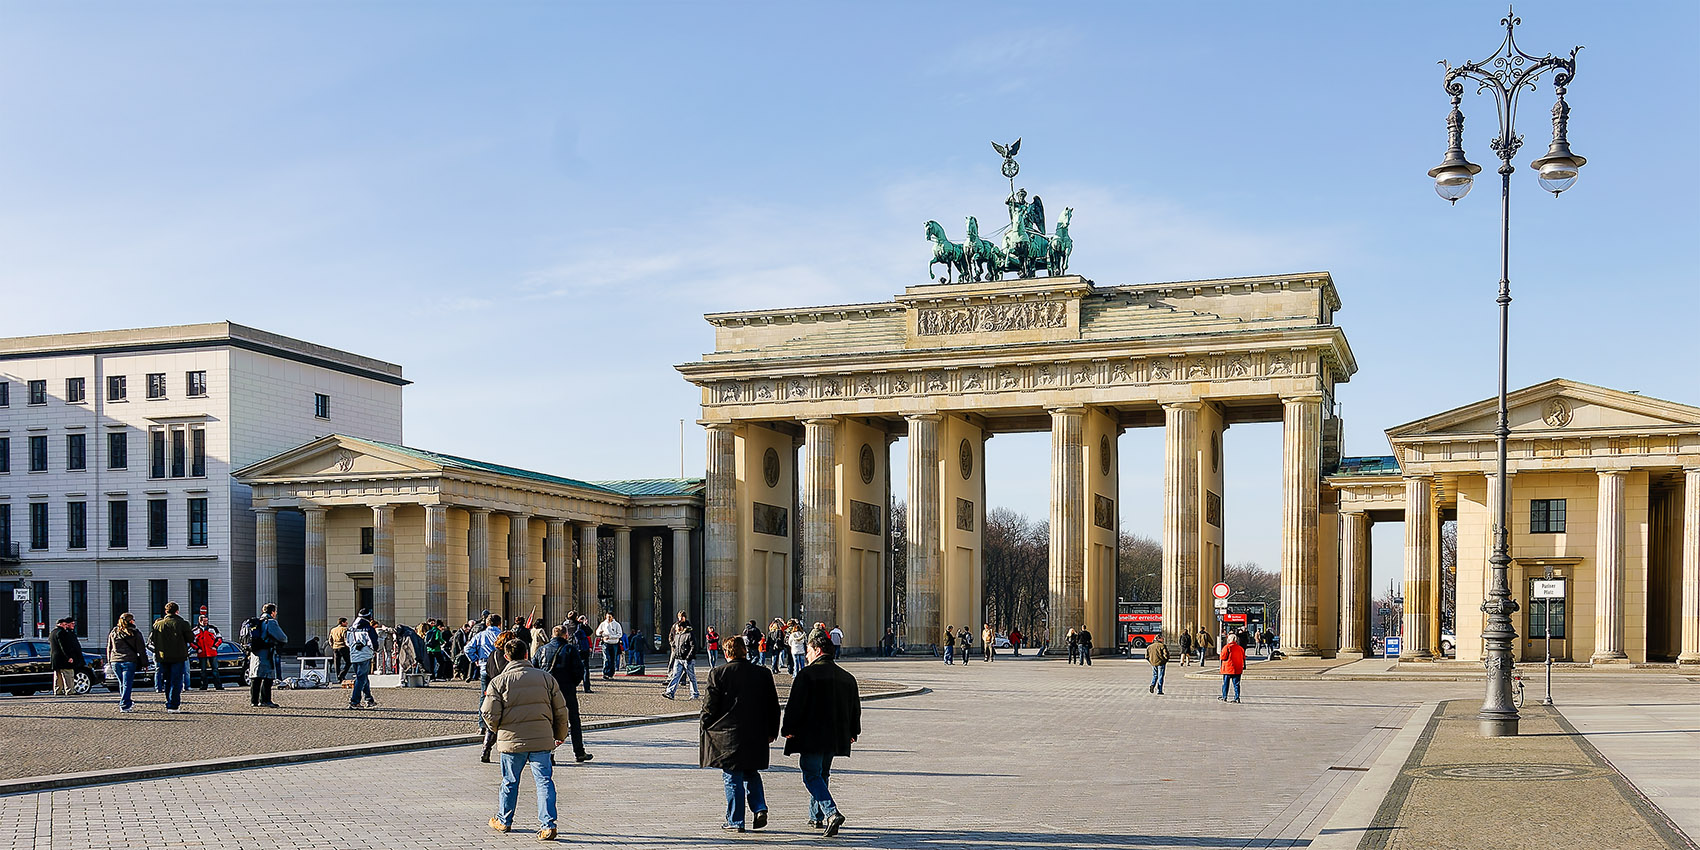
pixel 197 522
pixel 366 540
pixel 73 390
pixel 197 597
pixel 118 524
pixel 321 405
pixel 116 387
pixel 80 606
pixel 179 453
pixel 117 450
pixel 38 454
pixel 76 451
pixel 5 454
pixel 38 392
pixel 5 530
pixel 156 453
pixel 118 592
pixel 1537 624
pixel 156 385
pixel 38 525
pixel 157 515
pixel 198 452
pixel 5 393
pixel 76 525
pixel 197 383
pixel 159 593
pixel 1546 516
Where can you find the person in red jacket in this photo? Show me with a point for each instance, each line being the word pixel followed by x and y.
pixel 1233 664
pixel 206 651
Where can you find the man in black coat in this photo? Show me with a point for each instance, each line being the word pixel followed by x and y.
pixel 739 719
pixel 823 717
pixel 559 658
pixel 66 654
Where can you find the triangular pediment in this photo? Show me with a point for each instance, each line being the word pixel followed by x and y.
pixel 1558 405
pixel 337 456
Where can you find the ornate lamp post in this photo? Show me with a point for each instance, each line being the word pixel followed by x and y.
pixel 1505 74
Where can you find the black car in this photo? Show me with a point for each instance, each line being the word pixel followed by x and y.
pixel 231 666
pixel 26 666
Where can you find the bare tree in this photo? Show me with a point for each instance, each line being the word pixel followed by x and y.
pixel 1139 569
pixel 1017 563
pixel 1449 576
pixel 1253 583
pixel 899 526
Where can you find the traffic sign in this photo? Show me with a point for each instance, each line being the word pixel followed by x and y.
pixel 20 594
pixel 1221 604
pixel 1549 588
pixel 1392 646
pixel 1220 590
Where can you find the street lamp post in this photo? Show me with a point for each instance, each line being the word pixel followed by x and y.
pixel 1505 74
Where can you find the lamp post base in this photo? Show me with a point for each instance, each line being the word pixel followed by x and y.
pixel 1498 727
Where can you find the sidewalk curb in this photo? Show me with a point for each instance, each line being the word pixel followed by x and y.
pixel 61 781
pixel 1352 820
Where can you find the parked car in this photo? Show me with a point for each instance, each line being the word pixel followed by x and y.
pixel 231 665
pixel 1000 641
pixel 26 666
pixel 1448 643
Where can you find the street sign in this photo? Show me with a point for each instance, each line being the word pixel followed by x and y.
pixel 1221 604
pixel 1392 644
pixel 1220 590
pixel 1386 611
pixel 20 594
pixel 1549 588
pixel 1234 618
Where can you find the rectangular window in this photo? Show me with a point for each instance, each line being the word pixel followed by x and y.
pixel 38 525
pixel 159 593
pixel 117 387
pixel 38 392
pixel 76 451
pixel 38 454
pixel 5 454
pixel 5 393
pixel 156 385
pixel 77 525
pixel 198 452
pixel 80 606
pixel 178 453
pixel 366 540
pixel 73 390
pixel 157 515
pixel 117 450
pixel 5 530
pixel 1536 627
pixel 118 593
pixel 321 405
pixel 197 597
pixel 197 383
pixel 156 453
pixel 118 524
pixel 197 522
pixel 1546 516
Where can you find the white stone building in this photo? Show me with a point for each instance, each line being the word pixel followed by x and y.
pixel 116 453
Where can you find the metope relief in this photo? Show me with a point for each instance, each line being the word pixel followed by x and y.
pixel 964 515
pixel 991 318
pixel 864 517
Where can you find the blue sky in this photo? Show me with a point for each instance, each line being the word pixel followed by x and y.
pixel 530 206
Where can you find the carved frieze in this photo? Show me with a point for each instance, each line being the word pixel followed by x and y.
pixel 1103 512
pixel 864 517
pixel 991 318
pixel 964 515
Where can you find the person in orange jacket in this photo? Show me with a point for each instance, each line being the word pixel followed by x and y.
pixel 1233 664
pixel 206 652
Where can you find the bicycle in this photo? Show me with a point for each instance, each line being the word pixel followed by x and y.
pixel 1517 685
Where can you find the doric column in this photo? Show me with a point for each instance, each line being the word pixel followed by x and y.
pixel 383 564
pixel 1301 482
pixel 265 556
pixel 1068 526
pixel 478 562
pixel 589 602
pixel 820 521
pixel 921 597
pixel 519 564
pixel 1609 547
pixel 1419 554
pixel 623 575
pixel 437 561
pixel 313 600
pixel 1690 567
pixel 720 529
pixel 681 570
pixel 557 581
pixel 1180 519
pixel 1354 581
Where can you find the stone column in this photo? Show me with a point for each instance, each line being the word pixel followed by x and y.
pixel 314 600
pixel 590 600
pixel 1609 537
pixel 921 598
pixel 720 528
pixel 1419 554
pixel 1354 581
pixel 681 572
pixel 557 580
pixel 383 564
pixel 477 562
pixel 1301 482
pixel 519 564
pixel 623 575
pixel 1068 526
pixel 437 561
pixel 1690 567
pixel 265 557
pixel 1180 519
pixel 819 504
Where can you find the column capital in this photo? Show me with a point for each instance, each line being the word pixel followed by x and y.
pixel 678 528
pixel 554 523
pixel 925 416
pixel 718 426
pixel 264 509
pixel 586 524
pixel 383 507
pixel 1183 405
pixel 622 529
pixel 1353 512
pixel 1609 473
pixel 1076 409
pixel 313 508
pixel 476 510
pixel 821 420
pixel 1301 398
pixel 436 506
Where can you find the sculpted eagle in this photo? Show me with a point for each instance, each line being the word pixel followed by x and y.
pixel 1007 151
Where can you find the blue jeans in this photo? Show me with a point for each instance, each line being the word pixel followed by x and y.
pixel 541 772
pixel 1157 671
pixel 362 671
pixel 173 673
pixel 610 653
pixel 949 653
pixel 126 673
pixel 584 661
pixel 739 784
pixel 1235 678
pixel 682 669
pixel 798 661
pixel 817 769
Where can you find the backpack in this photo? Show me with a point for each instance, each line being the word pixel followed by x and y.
pixel 252 637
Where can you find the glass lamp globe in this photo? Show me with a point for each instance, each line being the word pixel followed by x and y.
pixel 1454 183
pixel 1557 175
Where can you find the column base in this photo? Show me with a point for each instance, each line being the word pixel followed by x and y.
pixel 1688 658
pixel 1350 655
pixel 1299 652
pixel 1416 658
pixel 1609 658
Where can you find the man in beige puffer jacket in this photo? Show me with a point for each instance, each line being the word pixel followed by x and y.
pixel 525 707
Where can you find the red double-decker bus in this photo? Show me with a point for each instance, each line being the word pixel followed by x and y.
pixel 1139 623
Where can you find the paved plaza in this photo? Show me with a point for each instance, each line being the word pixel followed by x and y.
pixel 1018 753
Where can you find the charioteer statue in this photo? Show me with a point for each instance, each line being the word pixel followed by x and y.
pixel 1026 247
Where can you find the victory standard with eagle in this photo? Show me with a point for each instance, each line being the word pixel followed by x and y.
pixel 1026 247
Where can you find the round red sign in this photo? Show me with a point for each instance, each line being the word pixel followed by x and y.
pixel 1221 590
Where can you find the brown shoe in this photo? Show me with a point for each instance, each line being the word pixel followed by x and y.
pixel 547 834
pixel 498 825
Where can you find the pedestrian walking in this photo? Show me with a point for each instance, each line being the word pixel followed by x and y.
pixel 1085 639
pixel 207 641
pixel 681 660
pixel 65 654
pixel 739 720
pixel 1201 645
pixel 1157 655
pixel 1233 664
pixel 263 665
pixel 609 634
pixel 362 650
pixel 127 652
pixel 1186 646
pixel 986 636
pixel 171 636
pixel 559 658
pixel 712 640
pixel 528 712
pixel 436 650
pixel 798 644
pixel 837 635
pixel 1015 642
pixel 949 644
pixel 823 717
pixel 752 637
pixel 339 648
pixel 582 637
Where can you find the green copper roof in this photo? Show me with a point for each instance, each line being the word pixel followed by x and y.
pixel 1378 465
pixel 655 486
pixel 454 462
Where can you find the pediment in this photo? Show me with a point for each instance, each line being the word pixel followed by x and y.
pixel 336 456
pixel 1558 406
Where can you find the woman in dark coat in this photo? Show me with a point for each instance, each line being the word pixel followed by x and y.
pixel 740 719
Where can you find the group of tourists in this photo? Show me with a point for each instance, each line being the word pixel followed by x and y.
pixel 1232 658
